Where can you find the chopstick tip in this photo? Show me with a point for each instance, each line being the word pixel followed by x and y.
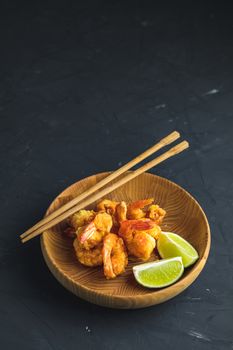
pixel 176 133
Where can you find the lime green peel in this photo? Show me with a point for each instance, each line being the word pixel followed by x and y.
pixel 170 245
pixel 160 273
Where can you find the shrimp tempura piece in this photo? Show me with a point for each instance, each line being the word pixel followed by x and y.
pixel 115 258
pixel 156 213
pixel 135 210
pixel 139 237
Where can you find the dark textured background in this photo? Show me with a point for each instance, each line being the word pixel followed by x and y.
pixel 83 88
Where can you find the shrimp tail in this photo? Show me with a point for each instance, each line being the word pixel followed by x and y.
pixel 141 203
pixel 108 268
pixel 88 231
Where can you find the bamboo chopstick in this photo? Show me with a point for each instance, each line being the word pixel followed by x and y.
pixel 170 153
pixel 163 142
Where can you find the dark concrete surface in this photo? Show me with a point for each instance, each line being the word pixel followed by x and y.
pixel 84 87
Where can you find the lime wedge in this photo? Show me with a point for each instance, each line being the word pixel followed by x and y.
pixel 160 273
pixel 170 245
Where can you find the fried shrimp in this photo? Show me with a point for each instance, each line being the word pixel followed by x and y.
pixel 108 206
pixel 156 213
pixel 88 257
pixel 115 230
pixel 115 258
pixel 89 237
pixel 139 237
pixel 142 245
pixel 81 218
pixel 103 222
pixel 135 209
pixel 92 234
pixel 121 212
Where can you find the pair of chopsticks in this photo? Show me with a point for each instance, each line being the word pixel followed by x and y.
pixel 82 201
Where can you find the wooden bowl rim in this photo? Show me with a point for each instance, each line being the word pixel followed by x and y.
pixel 188 279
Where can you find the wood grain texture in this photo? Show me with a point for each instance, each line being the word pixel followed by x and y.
pixel 184 216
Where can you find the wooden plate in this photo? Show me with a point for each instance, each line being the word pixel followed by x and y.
pixel 184 216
